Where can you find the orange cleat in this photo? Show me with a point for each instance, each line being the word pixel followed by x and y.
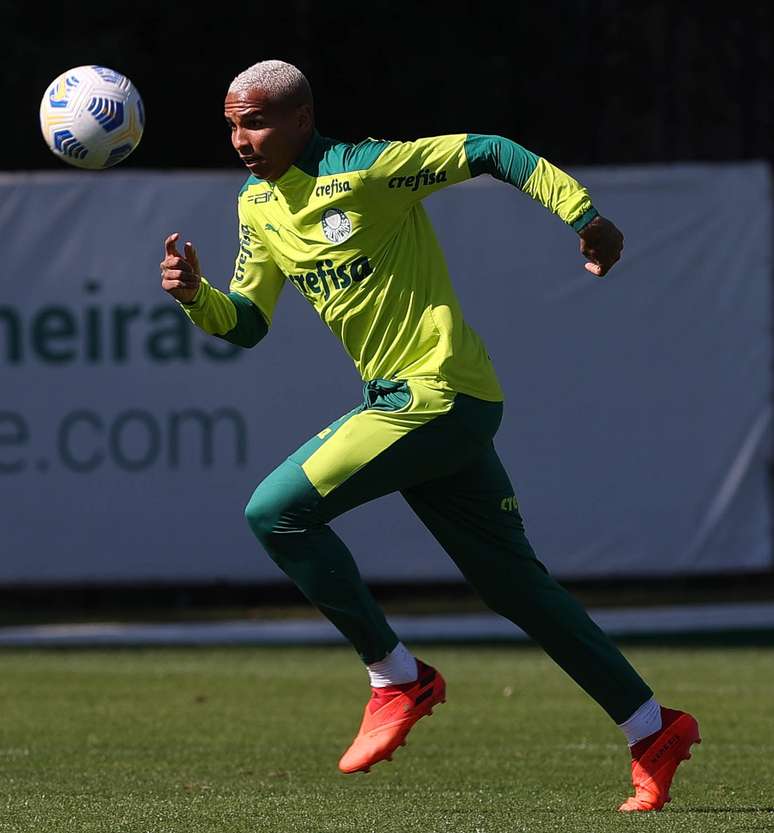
pixel 389 716
pixel 656 758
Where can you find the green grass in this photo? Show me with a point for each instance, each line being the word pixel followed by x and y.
pixel 238 740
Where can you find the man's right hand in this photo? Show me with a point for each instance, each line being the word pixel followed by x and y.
pixel 180 276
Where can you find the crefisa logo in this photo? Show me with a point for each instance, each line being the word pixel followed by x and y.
pixel 336 226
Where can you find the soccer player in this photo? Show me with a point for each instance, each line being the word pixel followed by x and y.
pixel 344 224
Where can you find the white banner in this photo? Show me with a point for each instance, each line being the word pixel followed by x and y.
pixel 636 425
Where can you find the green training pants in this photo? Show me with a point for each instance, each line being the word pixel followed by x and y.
pixel 436 447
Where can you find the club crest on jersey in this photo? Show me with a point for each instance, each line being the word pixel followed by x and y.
pixel 336 225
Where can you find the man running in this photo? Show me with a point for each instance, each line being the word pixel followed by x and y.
pixel 344 224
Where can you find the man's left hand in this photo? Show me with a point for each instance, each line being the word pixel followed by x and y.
pixel 601 244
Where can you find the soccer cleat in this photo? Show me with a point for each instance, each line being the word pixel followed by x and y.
pixel 389 716
pixel 656 758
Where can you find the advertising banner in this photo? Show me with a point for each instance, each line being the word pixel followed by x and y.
pixel 636 428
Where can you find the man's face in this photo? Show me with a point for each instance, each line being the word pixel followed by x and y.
pixel 268 135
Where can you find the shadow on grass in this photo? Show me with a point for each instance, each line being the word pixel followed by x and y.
pixel 722 810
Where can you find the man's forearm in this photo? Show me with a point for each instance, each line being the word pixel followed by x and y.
pixel 507 160
pixel 231 317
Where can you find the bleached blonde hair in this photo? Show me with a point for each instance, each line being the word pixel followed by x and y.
pixel 279 79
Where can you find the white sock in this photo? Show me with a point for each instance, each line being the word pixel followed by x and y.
pixel 645 721
pixel 399 666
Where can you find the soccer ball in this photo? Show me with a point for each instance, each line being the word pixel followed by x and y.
pixel 92 117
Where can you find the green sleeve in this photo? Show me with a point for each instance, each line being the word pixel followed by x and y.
pixel 510 162
pixel 231 317
pixel 499 157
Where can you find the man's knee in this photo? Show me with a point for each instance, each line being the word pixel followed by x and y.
pixel 283 502
pixel 260 515
pixel 516 579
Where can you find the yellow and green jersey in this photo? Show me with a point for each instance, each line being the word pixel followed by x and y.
pixel 346 227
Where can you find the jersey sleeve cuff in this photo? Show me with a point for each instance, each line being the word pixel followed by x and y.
pixel 588 215
pixel 199 299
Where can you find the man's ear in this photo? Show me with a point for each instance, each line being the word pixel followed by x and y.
pixel 304 116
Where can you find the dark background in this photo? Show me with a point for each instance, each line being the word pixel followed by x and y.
pixel 579 82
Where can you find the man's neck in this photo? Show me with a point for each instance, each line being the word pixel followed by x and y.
pixel 307 148
pixel 308 145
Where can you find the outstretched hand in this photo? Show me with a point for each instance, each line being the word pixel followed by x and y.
pixel 601 244
pixel 180 274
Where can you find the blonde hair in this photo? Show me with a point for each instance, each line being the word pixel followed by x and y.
pixel 279 79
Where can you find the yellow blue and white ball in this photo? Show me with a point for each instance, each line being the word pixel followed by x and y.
pixel 92 117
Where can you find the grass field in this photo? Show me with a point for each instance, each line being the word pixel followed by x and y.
pixel 237 740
